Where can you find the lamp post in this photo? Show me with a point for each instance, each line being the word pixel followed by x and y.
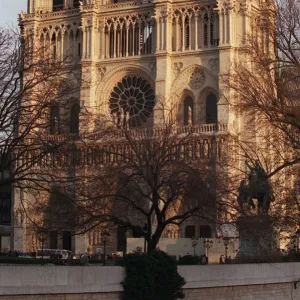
pixel 104 238
pixel 297 234
pixel 145 230
pixel 226 243
pixel 207 243
pixel 194 244
pixel 42 238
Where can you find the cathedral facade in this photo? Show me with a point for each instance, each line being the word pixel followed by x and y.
pixel 136 53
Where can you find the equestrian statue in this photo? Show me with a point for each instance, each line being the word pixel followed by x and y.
pixel 255 187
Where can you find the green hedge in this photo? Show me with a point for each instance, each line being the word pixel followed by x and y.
pixel 152 277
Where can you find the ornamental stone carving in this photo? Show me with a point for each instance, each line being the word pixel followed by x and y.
pixel 177 67
pixel 214 64
pixel 196 78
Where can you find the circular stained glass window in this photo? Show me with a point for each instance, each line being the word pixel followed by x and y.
pixel 132 101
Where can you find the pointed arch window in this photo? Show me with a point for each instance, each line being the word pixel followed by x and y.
pixel 188 107
pixel 54 120
pixel 75 118
pixel 211 109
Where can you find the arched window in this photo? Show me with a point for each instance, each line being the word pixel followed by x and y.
pixel 211 109
pixel 205 231
pixel 75 118
pixel 54 120
pixel 188 110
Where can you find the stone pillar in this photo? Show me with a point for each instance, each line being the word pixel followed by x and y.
pixel 196 30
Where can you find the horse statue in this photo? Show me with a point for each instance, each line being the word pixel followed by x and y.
pixel 256 186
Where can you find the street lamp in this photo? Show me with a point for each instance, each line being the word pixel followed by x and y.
pixel 207 243
pixel 297 237
pixel 145 230
pixel 42 239
pixel 195 242
pixel 226 243
pixel 104 238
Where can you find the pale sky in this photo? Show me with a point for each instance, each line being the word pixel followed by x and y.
pixel 9 10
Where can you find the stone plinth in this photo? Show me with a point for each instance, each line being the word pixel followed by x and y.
pixel 257 237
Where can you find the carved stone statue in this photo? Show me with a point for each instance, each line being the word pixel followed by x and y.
pixel 190 118
pixel 256 186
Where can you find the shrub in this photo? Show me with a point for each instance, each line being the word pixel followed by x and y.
pixel 192 260
pixel 152 277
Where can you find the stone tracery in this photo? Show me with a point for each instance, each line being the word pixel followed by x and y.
pixel 132 101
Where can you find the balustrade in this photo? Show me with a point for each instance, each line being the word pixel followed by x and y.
pixel 96 155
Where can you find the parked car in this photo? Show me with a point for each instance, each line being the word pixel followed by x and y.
pixel 53 253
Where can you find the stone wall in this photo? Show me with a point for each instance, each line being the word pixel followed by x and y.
pixel 222 282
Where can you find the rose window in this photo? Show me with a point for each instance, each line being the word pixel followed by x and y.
pixel 131 101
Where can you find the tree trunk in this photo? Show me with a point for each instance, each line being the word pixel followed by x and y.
pixel 153 241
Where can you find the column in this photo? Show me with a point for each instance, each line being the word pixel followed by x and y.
pixel 121 41
pixel 84 43
pixel 88 41
pixel 153 41
pixel 158 34
pixel 62 45
pixel 44 45
pixel 190 32
pixel 183 33
pixel 56 46
pixel 196 30
pixel 103 42
pixel 127 36
pixel 139 39
pixel 221 27
pixel 74 45
pixel 169 33
pixel 133 39
pixel 177 34
pixel 201 29
pixel 208 30
pixel 115 39
pixel 163 34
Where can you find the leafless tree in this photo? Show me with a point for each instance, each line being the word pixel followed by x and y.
pixel 150 178
pixel 32 83
pixel 266 83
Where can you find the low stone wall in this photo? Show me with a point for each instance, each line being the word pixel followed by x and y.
pixel 222 282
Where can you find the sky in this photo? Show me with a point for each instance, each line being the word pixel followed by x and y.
pixel 9 10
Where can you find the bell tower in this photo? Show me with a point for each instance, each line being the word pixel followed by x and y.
pixel 40 5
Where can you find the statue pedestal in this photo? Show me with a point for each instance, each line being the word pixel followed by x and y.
pixel 258 240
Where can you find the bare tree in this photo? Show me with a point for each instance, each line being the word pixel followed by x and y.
pixel 266 83
pixel 149 178
pixel 32 84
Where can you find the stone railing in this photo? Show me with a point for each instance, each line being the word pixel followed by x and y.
pixel 141 133
pixel 45 15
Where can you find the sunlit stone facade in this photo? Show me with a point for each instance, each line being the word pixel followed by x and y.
pixel 149 49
